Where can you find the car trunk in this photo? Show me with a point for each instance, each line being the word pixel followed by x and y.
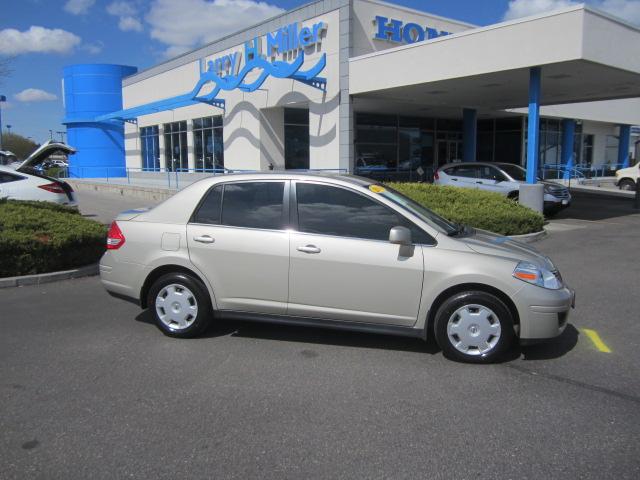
pixel 42 153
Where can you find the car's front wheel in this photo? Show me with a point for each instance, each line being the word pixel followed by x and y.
pixel 627 184
pixel 474 327
pixel 180 305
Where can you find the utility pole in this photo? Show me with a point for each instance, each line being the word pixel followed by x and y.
pixel 2 99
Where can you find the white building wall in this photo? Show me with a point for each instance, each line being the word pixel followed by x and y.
pixel 242 117
pixel 364 27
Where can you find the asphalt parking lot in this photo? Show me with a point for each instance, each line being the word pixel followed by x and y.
pixel 91 389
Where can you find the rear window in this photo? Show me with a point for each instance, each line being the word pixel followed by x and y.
pixel 253 205
pixel 209 210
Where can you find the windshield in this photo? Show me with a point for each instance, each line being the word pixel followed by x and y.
pixel 432 219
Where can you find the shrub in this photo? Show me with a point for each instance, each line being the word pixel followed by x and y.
pixel 39 237
pixel 480 209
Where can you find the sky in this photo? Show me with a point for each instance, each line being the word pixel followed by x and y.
pixel 40 37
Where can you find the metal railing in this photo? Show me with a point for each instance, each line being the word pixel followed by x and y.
pixel 158 178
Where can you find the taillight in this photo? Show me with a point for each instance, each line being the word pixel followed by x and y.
pixel 436 176
pixel 115 238
pixel 52 187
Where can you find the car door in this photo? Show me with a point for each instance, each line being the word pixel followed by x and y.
pixel 491 179
pixel 342 264
pixel 237 236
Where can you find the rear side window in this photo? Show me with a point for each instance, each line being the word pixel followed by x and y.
pixel 9 177
pixel 328 210
pixel 209 210
pixel 465 171
pixel 253 205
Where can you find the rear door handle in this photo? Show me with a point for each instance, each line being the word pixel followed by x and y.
pixel 204 239
pixel 309 249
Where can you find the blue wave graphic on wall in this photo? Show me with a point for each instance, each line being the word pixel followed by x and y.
pixel 276 69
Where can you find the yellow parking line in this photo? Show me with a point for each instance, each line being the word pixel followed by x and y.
pixel 597 341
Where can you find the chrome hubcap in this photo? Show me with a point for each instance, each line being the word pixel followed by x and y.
pixel 474 329
pixel 176 306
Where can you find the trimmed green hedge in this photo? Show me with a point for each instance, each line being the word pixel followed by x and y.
pixel 480 209
pixel 39 237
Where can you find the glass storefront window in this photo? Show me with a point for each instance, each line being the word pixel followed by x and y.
pixel 150 148
pixel 296 138
pixel 175 146
pixel 207 143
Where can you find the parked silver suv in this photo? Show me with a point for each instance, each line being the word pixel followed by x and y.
pixel 331 251
pixel 503 178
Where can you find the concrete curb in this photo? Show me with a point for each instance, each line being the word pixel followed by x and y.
pixel 530 237
pixel 38 279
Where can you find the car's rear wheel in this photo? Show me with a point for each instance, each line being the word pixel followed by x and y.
pixel 627 184
pixel 180 305
pixel 474 327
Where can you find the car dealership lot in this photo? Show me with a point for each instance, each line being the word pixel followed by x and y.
pixel 91 388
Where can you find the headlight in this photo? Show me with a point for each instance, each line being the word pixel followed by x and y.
pixel 530 273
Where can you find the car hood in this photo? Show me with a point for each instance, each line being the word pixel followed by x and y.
pixel 491 244
pixel 43 152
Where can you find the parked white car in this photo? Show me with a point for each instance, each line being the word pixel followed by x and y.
pixel 626 178
pixel 504 178
pixel 25 182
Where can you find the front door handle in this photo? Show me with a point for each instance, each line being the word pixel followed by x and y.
pixel 309 249
pixel 204 239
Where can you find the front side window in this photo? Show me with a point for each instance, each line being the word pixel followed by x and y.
pixel 329 210
pixel 253 205
pixel 490 173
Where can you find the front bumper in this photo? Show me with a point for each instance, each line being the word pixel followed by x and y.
pixel 543 313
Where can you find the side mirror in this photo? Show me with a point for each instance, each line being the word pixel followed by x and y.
pixel 400 236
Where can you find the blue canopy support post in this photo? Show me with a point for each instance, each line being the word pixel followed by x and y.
pixel 623 145
pixel 533 133
pixel 568 134
pixel 531 194
pixel 469 134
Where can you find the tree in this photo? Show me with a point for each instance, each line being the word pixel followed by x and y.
pixel 22 147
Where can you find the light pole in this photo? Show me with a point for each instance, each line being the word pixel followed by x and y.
pixel 50 134
pixel 61 136
pixel 2 99
pixel 8 128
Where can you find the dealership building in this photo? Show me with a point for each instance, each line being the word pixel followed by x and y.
pixel 372 88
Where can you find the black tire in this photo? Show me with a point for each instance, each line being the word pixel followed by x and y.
pixel 500 314
pixel 196 324
pixel 514 196
pixel 627 184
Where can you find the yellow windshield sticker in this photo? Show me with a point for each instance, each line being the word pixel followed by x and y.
pixel 376 188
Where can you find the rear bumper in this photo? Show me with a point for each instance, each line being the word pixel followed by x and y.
pixel 121 278
pixel 543 313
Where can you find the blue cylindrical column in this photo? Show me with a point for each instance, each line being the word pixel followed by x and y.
pixel 568 134
pixel 469 134
pixel 623 145
pixel 90 90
